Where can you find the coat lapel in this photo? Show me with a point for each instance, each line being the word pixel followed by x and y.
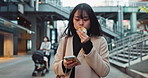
pixel 69 48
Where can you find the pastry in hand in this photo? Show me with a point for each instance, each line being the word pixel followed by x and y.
pixel 82 29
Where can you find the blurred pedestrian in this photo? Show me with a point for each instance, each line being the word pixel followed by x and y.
pixel 45 47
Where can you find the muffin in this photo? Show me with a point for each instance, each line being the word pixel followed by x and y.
pixel 82 29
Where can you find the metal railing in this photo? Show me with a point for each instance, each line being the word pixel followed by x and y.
pixel 133 44
pixel 140 46
pixel 118 43
pixel 57 5
pixel 121 43
pixel 122 3
pixel 104 22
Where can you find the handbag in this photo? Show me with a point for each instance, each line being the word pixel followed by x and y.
pixel 64 50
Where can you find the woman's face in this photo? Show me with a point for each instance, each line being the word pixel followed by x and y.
pixel 45 39
pixel 81 22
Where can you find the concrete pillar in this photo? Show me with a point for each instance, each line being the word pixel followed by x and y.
pixel 45 28
pixel 133 22
pixel 36 5
pixel 44 1
pixel 32 3
pixel 33 36
pixel 115 26
pixel 1 44
pixel 48 31
pixel 120 20
pixel 55 24
pixel 15 37
pixel 8 45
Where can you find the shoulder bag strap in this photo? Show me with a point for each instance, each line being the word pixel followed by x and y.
pixel 65 44
pixel 64 50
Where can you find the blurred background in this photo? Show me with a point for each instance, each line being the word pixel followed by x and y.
pixel 24 23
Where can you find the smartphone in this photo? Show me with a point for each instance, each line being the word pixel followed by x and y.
pixel 72 58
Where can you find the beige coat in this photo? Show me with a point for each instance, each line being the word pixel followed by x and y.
pixel 93 65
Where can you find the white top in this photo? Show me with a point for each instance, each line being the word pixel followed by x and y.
pixel 46 46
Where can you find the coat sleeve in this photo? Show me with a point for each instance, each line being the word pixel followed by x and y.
pixel 98 59
pixel 57 63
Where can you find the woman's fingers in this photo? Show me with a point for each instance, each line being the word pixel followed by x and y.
pixel 70 64
pixel 83 36
pixel 65 63
pixel 73 64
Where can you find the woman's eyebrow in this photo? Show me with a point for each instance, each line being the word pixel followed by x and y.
pixel 85 17
pixel 80 17
pixel 77 16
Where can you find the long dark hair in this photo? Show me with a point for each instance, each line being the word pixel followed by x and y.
pixel 95 28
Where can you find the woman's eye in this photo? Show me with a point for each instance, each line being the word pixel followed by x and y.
pixel 77 19
pixel 86 19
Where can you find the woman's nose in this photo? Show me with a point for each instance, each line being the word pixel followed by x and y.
pixel 81 22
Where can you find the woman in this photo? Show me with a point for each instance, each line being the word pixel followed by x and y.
pixel 45 47
pixel 89 47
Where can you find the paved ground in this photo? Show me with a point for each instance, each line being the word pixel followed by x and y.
pixel 141 67
pixel 22 67
pixel 19 67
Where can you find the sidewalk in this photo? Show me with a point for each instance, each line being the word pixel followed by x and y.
pixel 8 61
pixel 4 62
pixel 115 73
pixel 140 69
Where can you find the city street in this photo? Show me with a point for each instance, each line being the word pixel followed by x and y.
pixel 22 67
pixel 30 25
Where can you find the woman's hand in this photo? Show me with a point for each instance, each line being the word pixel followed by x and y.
pixel 83 36
pixel 70 64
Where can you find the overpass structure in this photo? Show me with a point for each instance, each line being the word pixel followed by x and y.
pixel 40 14
pixel 119 13
pixel 50 10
